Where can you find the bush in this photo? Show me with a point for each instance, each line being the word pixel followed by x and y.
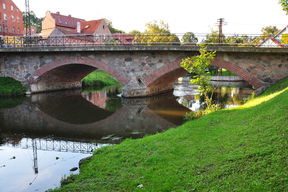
pixel 11 87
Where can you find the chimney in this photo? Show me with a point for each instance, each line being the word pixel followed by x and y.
pixel 58 13
pixel 69 15
pixel 78 27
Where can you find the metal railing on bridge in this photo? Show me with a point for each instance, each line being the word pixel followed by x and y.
pixel 161 39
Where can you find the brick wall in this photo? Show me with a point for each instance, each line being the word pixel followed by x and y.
pixel 11 20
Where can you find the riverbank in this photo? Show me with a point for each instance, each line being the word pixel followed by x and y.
pixel 99 79
pixel 11 87
pixel 238 149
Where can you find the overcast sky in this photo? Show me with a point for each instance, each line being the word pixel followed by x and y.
pixel 198 16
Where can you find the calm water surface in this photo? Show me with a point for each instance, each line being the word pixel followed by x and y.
pixel 43 136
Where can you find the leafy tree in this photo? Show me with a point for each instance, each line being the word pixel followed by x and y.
pixel 155 33
pixel 214 37
pixel 111 28
pixel 199 65
pixel 134 32
pixel 34 20
pixel 284 4
pixel 268 31
pixel 189 38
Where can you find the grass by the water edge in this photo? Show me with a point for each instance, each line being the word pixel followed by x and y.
pixel 11 87
pixel 239 149
pixel 99 79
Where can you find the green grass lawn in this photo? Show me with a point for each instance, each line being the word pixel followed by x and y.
pixel 99 79
pixel 240 149
pixel 11 87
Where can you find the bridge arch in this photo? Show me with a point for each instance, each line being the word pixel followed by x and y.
pixel 163 79
pixel 248 77
pixel 68 72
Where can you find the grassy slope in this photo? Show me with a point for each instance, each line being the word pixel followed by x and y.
pixel 11 87
pixel 99 79
pixel 242 149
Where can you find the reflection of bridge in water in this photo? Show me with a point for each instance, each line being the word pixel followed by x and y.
pixel 57 145
pixel 48 144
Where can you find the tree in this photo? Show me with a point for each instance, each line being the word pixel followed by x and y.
pixel 112 29
pixel 134 32
pixel 34 21
pixel 156 33
pixel 284 4
pixel 268 31
pixel 199 65
pixel 214 37
pixel 189 38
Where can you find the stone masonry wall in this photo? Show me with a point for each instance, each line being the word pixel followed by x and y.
pixel 143 73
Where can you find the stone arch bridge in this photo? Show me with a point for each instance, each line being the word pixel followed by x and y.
pixel 144 70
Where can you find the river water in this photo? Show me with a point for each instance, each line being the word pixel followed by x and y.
pixel 43 137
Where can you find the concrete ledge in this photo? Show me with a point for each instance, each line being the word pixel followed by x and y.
pixel 227 78
pixel 136 48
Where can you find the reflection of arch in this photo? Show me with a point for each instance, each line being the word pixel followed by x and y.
pixel 82 61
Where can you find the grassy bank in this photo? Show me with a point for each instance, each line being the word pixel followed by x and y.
pixel 240 149
pixel 11 87
pixel 98 79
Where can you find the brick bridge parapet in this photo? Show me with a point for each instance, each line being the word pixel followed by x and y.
pixel 143 70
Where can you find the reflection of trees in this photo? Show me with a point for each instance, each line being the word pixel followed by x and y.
pixel 113 104
pixel 11 102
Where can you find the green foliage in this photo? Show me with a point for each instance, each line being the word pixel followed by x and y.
pixel 156 33
pixel 197 114
pixel 134 32
pixel 214 37
pixel 284 4
pixel 34 20
pixel 11 87
pixel 268 31
pixel 240 149
pixel 112 29
pixel 99 79
pixel 189 38
pixel 200 63
pixel 6 102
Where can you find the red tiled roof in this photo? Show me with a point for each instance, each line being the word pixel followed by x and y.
pixel 66 21
pixel 89 27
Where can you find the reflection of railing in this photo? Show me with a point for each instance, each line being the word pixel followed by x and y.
pixel 57 145
pixel 162 39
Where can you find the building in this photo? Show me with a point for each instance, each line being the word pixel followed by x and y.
pixel 11 20
pixel 55 24
pixel 278 41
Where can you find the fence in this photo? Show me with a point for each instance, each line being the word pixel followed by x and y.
pixel 188 39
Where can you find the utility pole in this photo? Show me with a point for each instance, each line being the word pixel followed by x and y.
pixel 220 26
pixel 27 19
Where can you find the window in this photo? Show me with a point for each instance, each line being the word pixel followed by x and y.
pixel 103 26
pixel 5 28
pixel 12 8
pixel 13 30
pixel 0 28
pixel 18 19
pixel 13 18
pixel 4 6
pixel 5 17
pixel 18 30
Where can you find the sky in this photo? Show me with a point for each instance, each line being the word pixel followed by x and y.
pixel 198 16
